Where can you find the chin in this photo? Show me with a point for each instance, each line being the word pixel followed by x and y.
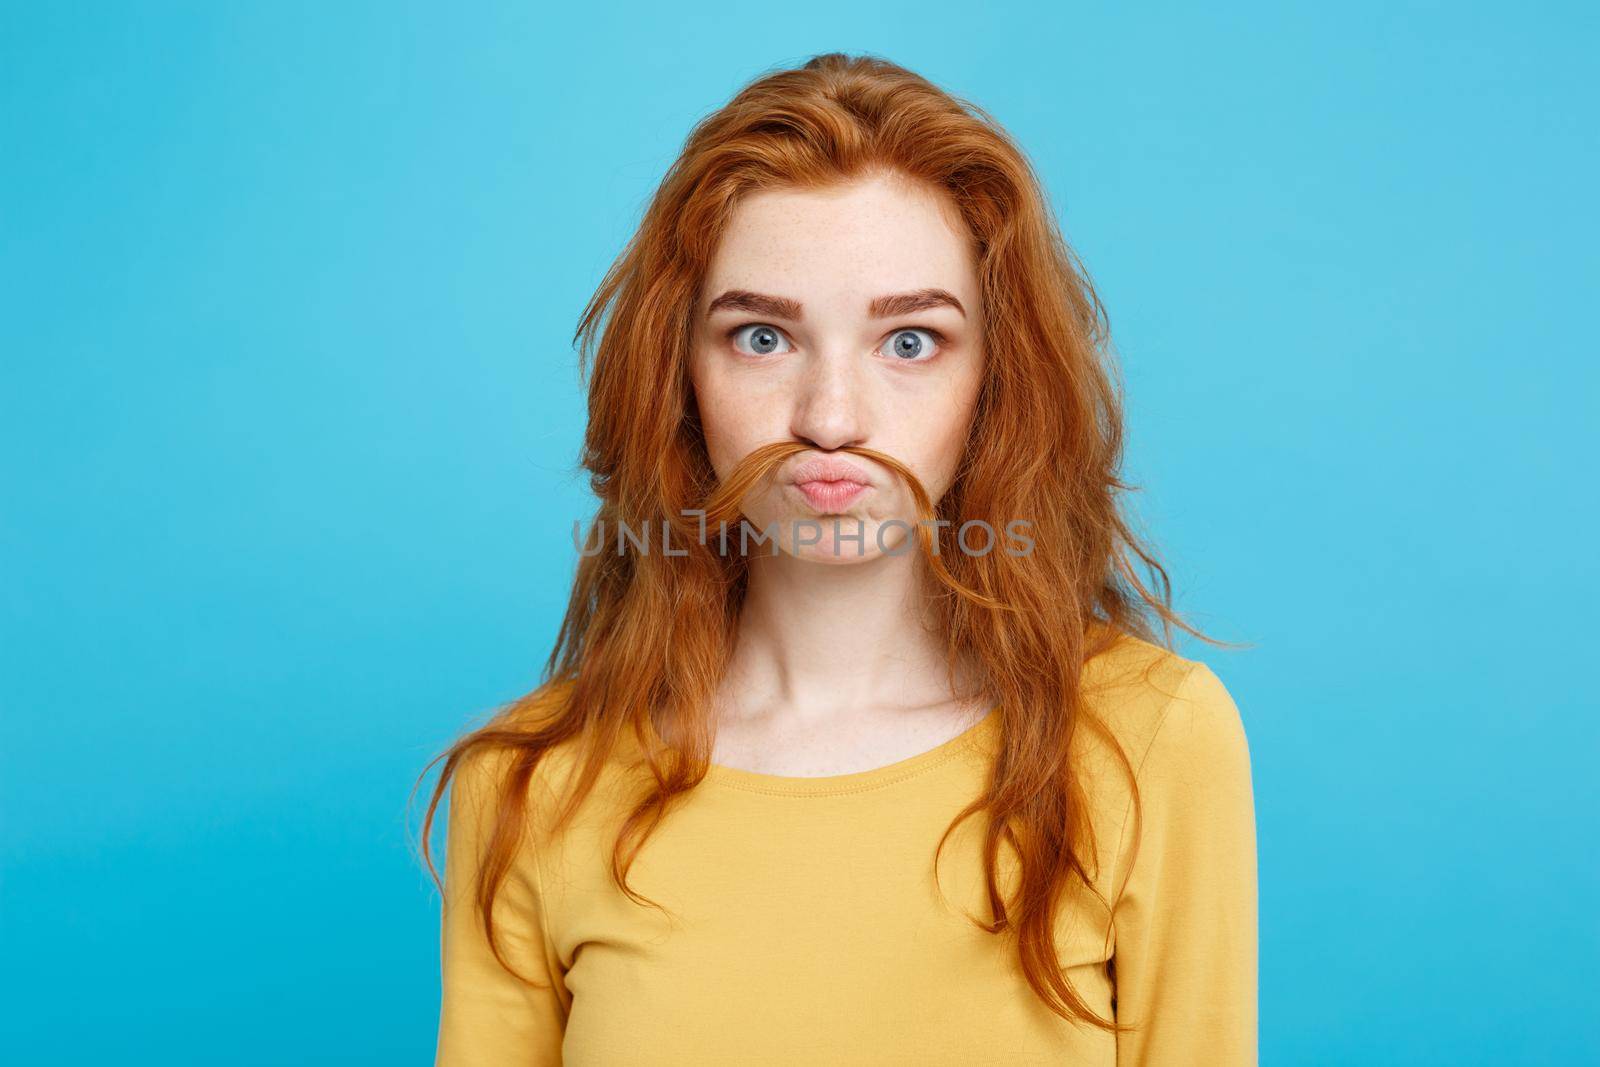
pixel 846 556
pixel 841 551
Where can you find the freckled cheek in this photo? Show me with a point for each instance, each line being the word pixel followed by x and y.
pixel 734 418
pixel 934 431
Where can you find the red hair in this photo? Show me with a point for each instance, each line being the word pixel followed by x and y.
pixel 646 634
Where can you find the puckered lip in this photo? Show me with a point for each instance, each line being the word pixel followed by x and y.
pixel 828 469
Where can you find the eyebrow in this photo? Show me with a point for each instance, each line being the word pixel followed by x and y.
pixel 882 307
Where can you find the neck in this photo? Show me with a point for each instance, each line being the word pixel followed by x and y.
pixel 818 639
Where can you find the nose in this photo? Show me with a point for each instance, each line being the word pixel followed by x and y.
pixel 831 406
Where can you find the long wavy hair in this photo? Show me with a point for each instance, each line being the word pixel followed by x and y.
pixel 647 635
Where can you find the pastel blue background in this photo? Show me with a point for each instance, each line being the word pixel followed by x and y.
pixel 290 419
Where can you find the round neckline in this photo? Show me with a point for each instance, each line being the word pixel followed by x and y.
pixel 852 781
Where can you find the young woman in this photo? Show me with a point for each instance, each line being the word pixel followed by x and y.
pixel 858 745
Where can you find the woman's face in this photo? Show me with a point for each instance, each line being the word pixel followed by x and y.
pixel 841 316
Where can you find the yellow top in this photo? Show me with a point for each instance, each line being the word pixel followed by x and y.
pixel 809 929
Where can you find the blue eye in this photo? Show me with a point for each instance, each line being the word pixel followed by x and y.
pixel 909 346
pixel 764 339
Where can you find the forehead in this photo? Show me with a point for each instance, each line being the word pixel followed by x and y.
pixel 845 244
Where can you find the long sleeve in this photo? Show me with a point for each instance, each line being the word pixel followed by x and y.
pixel 487 1015
pixel 1185 961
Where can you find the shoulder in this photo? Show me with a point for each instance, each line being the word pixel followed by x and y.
pixel 1172 717
pixel 1182 739
pixel 482 774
